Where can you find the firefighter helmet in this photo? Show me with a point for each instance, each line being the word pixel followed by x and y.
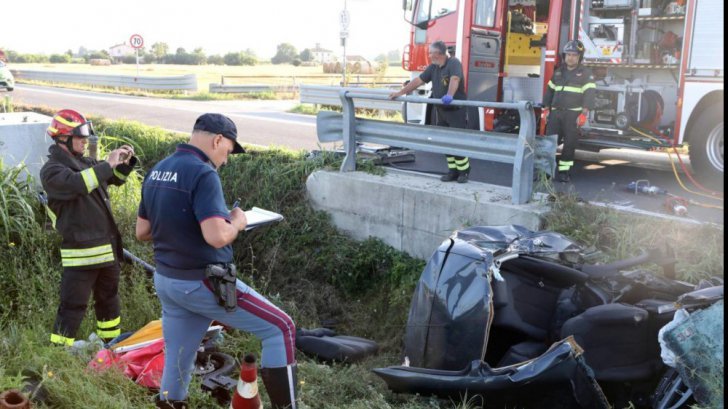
pixel 71 123
pixel 574 46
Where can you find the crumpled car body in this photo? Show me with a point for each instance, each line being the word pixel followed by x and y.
pixel 7 80
pixel 501 307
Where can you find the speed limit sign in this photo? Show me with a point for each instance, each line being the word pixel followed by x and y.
pixel 136 41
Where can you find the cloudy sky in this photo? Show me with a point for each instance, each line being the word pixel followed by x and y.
pixel 33 26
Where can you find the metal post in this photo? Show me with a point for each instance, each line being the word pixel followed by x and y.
pixel 349 132
pixel 137 60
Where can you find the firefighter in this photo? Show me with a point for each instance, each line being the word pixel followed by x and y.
pixel 79 208
pixel 568 99
pixel 183 212
pixel 446 75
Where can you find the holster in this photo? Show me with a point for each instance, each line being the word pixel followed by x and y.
pixel 222 278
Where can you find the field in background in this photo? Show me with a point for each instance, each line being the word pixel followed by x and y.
pixel 267 74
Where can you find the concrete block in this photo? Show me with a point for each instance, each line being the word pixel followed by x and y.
pixel 414 212
pixel 23 139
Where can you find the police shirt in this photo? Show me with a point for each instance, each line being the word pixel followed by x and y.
pixel 178 194
pixel 440 77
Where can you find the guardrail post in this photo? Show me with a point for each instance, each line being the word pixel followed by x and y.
pixel 349 132
pixel 522 184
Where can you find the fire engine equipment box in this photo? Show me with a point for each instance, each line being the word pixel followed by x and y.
pixel 23 140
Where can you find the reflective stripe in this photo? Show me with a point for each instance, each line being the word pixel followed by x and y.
pixel 463 164
pixel 119 174
pixel 565 165
pixel 65 122
pixel 578 90
pixel 552 85
pixel 52 129
pixel 89 178
pixel 57 339
pixel 108 334
pixel 87 257
pixel 51 215
pixel 108 324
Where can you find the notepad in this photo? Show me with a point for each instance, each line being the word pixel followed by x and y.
pixel 260 217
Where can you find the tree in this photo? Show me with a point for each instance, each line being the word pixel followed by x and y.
pixel 394 57
pixel 199 57
pixel 306 55
pixel 160 50
pixel 286 53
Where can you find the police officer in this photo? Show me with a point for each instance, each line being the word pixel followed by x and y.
pixel 568 99
pixel 183 212
pixel 446 75
pixel 80 210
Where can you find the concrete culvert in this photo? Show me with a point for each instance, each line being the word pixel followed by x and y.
pixel 13 399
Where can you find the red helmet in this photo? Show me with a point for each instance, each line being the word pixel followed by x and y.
pixel 71 123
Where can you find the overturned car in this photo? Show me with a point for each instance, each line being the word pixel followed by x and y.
pixel 505 313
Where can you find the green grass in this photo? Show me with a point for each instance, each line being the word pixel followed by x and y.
pixel 302 264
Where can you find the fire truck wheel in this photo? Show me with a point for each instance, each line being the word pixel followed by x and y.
pixel 706 146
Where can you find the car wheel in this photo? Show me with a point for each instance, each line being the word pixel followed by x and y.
pixel 10 89
pixel 706 145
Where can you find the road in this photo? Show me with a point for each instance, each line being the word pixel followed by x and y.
pixel 600 180
pixel 259 122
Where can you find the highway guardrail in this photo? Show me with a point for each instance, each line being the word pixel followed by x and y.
pixel 181 82
pixel 524 151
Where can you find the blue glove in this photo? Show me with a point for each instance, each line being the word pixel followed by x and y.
pixel 447 99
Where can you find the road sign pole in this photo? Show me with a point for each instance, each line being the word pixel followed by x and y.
pixel 137 60
pixel 344 25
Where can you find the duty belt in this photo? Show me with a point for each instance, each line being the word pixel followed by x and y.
pixel 222 278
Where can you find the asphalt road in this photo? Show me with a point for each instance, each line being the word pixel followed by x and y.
pixel 599 180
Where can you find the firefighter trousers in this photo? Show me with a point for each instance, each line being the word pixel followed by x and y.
pixel 562 122
pixel 76 288
pixel 453 117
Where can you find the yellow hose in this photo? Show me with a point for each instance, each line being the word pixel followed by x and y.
pixel 677 176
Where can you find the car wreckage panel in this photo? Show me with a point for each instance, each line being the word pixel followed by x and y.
pixel 500 307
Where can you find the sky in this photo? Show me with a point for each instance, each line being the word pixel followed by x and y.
pixel 33 26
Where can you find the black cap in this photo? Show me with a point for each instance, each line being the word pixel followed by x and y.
pixel 219 124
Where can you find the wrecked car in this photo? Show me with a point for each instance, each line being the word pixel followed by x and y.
pixel 504 312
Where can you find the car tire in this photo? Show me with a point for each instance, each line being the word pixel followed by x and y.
pixel 10 89
pixel 706 145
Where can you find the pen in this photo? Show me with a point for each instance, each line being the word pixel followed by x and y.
pixel 236 203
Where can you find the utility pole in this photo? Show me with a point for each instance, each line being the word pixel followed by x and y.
pixel 343 34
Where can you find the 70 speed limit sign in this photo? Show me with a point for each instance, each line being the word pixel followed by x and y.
pixel 136 41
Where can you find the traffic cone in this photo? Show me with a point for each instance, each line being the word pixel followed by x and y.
pixel 13 399
pixel 246 393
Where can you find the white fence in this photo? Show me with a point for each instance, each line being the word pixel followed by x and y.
pixel 182 82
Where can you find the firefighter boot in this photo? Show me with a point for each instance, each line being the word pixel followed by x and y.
pixel 281 383
pixel 463 176
pixel 170 404
pixel 451 175
pixel 563 176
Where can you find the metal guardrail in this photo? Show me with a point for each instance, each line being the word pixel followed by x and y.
pixel 519 150
pixel 248 89
pixel 328 95
pixel 181 82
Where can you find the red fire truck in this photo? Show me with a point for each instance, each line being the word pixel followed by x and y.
pixel 658 64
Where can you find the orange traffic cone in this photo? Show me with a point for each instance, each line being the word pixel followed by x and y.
pixel 246 393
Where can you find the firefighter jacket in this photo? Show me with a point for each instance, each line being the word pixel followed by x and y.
pixel 570 89
pixel 80 210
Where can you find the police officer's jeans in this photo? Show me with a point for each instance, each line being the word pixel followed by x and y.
pixel 188 308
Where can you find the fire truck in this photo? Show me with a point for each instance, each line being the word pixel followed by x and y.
pixel 658 64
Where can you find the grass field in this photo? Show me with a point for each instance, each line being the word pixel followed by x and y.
pixel 268 74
